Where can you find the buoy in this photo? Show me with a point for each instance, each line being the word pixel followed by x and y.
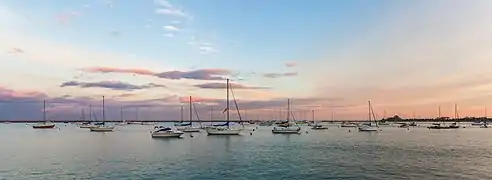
pixel 349 130
pixel 253 129
pixel 307 132
pixel 191 135
pixel 250 133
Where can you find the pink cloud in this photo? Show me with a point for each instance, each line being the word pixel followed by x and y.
pixel 224 86
pixel 199 74
pixel 290 64
pixel 119 70
pixel 278 75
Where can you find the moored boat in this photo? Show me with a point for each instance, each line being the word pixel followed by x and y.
pixel 219 130
pixel 102 127
pixel 318 127
pixel 349 124
pixel 166 132
pixel 44 125
pixel 225 129
pixel 369 127
pixel 287 127
pixel 189 126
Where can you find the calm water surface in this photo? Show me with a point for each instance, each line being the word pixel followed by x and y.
pixel 130 153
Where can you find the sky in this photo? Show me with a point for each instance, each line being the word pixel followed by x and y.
pixel 330 57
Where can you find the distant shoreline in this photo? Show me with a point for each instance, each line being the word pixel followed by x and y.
pixel 334 121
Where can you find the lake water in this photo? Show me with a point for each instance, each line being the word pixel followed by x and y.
pixel 336 153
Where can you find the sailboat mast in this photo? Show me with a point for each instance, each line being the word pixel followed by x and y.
pixel 332 115
pixel 181 115
pixel 44 110
pixel 456 116
pixel 246 114
pixel 211 114
pixel 83 114
pixel 369 111
pixel 439 111
pixel 227 108
pixel 90 112
pixel 121 114
pixel 103 112
pixel 191 110
pixel 312 111
pixel 288 109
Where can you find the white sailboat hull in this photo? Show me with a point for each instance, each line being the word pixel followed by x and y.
pixel 368 128
pixel 87 126
pixel 189 129
pixel 222 131
pixel 286 130
pixel 166 134
pixel 102 129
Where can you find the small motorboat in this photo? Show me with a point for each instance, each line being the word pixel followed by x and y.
pixel 44 125
pixel 318 127
pixel 166 132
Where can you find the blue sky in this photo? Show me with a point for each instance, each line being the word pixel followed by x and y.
pixel 344 52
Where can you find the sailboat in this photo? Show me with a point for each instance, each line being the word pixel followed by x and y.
pixel 45 124
pixel 87 124
pixel 452 126
pixel 485 120
pixel 287 127
pixel 369 126
pixel 181 122
pixel 317 126
pixel 189 128
pixel 456 117
pixel 225 129
pixel 101 127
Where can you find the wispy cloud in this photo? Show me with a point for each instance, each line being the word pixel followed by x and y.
pixel 15 51
pixel 278 75
pixel 118 70
pixel 169 35
pixel 163 3
pixel 224 86
pixel 114 85
pixel 199 74
pixel 166 8
pixel 170 28
pixel 290 64
pixel 65 18
pixel 174 12
pixel 207 50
